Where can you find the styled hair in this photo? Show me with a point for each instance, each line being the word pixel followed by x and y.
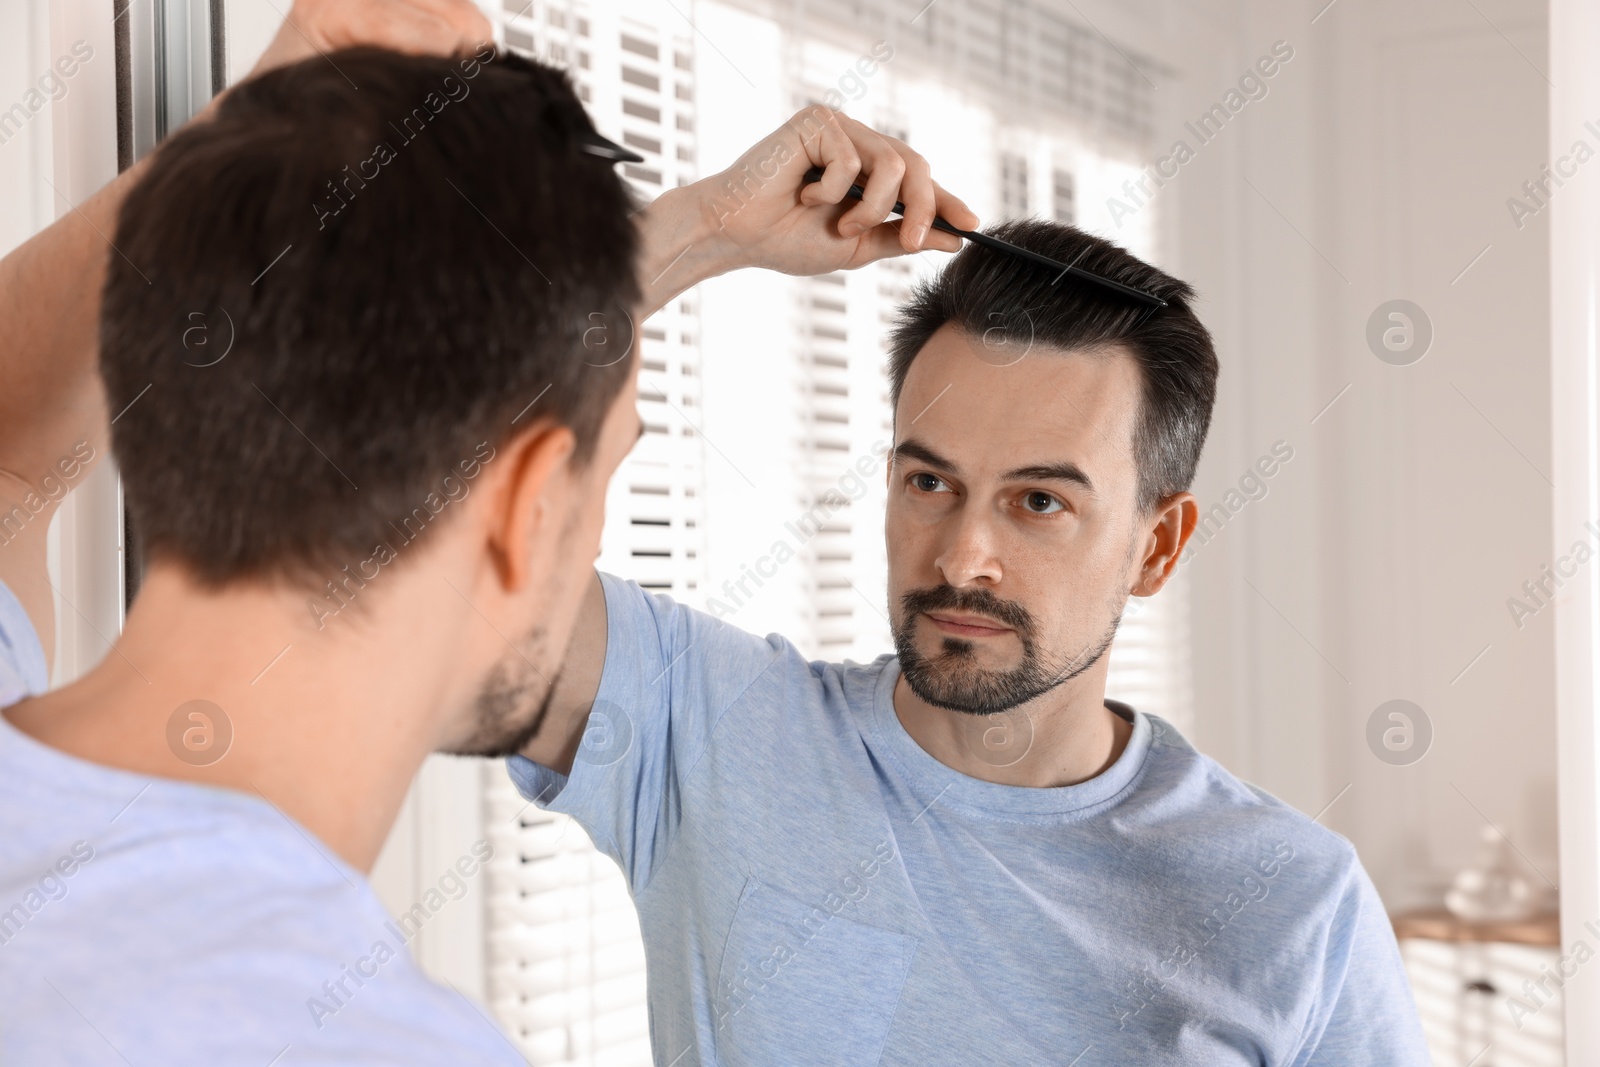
pixel 331 301
pixel 981 290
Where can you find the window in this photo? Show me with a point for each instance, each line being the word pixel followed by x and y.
pixel 641 79
pixel 639 47
pixel 565 966
pixel 643 144
pixel 641 111
pixel 1013 185
pixel 1062 198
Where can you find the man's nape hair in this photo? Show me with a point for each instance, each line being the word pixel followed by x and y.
pixel 990 294
pixel 407 260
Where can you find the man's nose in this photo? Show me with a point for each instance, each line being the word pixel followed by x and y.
pixel 970 555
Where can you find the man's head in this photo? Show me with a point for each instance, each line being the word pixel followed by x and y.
pixel 374 311
pixel 1046 434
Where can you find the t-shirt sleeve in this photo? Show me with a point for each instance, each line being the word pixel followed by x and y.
pixel 1366 1016
pixel 670 672
pixel 23 671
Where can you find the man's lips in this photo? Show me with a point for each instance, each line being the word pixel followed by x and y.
pixel 966 625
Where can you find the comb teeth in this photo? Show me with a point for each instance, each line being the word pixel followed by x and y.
pixel 596 145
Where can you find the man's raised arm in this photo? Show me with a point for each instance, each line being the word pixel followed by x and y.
pixel 760 212
pixel 53 422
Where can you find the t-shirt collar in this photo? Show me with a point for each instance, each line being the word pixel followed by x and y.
pixel 945 786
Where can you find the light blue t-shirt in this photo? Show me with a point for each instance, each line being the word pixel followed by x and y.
pixel 816 889
pixel 23 671
pixel 152 921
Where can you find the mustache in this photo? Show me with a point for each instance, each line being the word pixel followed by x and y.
pixel 969 601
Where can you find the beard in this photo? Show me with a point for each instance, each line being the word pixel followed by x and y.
pixel 952 679
pixel 511 705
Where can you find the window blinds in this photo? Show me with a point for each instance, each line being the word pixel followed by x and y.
pixel 566 966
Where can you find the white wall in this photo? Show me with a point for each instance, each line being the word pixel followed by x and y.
pixel 1575 401
pixel 1379 564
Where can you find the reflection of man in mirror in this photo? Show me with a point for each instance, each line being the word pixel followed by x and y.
pixel 963 852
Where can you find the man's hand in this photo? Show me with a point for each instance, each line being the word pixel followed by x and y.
pixel 420 27
pixel 784 225
pixel 760 212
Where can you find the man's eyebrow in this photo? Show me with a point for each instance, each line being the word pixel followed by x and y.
pixel 912 449
pixel 1064 471
pixel 1050 472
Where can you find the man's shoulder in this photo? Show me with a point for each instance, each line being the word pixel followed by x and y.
pixel 1217 811
pixel 184 876
pixel 189 936
pixel 1263 899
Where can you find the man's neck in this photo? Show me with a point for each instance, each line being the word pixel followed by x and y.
pixel 328 725
pixel 1063 737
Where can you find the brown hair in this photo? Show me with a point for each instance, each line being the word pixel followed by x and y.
pixel 981 290
pixel 399 273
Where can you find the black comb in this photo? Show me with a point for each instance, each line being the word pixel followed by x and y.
pixel 1150 300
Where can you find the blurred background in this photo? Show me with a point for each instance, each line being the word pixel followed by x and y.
pixel 1396 494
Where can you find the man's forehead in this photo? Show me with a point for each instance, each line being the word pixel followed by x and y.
pixel 972 398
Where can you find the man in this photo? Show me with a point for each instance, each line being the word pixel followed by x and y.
pixel 963 853
pixel 407 254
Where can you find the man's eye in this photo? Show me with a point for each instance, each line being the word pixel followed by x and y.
pixel 1040 503
pixel 927 483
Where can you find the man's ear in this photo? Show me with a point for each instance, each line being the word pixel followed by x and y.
pixel 1171 527
pixel 535 478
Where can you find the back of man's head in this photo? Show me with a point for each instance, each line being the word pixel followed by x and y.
pixel 1024 309
pixel 331 294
